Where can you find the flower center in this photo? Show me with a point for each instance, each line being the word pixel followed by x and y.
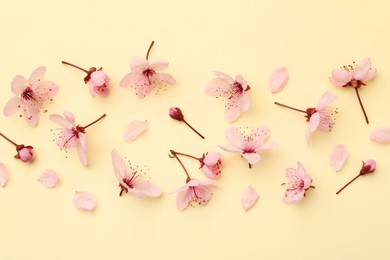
pixel 237 88
pixel 148 73
pixel 28 94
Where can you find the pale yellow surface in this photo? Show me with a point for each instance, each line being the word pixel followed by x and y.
pixel 250 38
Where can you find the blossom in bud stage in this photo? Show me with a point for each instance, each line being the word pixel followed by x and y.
pixel 30 96
pixel 24 153
pixel 175 113
pixel 98 81
pixel 368 167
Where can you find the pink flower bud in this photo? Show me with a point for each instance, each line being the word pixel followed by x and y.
pixel 99 83
pixel 369 166
pixel 25 153
pixel 175 113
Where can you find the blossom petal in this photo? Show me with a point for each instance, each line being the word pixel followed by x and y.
pixel 37 75
pixel 233 110
pixel 338 157
pixel 381 135
pixel 46 89
pixel 267 146
pixel 325 100
pixel 84 200
pixel 145 188
pixel 159 65
pixel 217 87
pixel 223 76
pixel 293 195
pixel 13 106
pixel 340 77
pixel 313 125
pixel 3 175
pixel 252 158
pixel 183 198
pixel 134 129
pixel 31 114
pixel 234 137
pixel 82 149
pixel 303 175
pixel 363 70
pixel 230 149
pixel 249 198
pixel 60 120
pixel 48 179
pixel 18 84
pixel 129 79
pixel 164 78
pixel 138 64
pixel 119 165
pixel 244 102
pixel 212 158
pixel 278 80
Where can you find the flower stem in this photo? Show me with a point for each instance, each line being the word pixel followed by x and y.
pixel 348 183
pixel 97 120
pixel 150 47
pixel 9 140
pixel 77 67
pixel 361 105
pixel 174 154
pixel 187 155
pixel 193 129
pixel 282 105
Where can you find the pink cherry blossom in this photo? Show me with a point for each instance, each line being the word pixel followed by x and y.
pixel 211 164
pixel 338 157
pixel 131 180
pixel 381 135
pixel 30 96
pixel 234 91
pixel 354 76
pixel 72 135
pixel 145 76
pixel 98 81
pixel 48 179
pixel 193 193
pixel 299 182
pixel 278 80
pixel 249 146
pixel 84 200
pixel 3 175
pixel 322 116
pixel 134 129
pixel 249 198
pixel 368 167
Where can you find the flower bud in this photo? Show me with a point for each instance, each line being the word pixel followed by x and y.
pixel 369 166
pixel 25 153
pixel 175 113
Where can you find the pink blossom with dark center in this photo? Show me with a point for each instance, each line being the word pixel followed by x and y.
pixel 249 145
pixel 354 76
pixel 145 76
pixel 30 96
pixel 234 91
pixel 299 181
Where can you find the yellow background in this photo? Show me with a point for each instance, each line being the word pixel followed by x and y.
pixel 245 37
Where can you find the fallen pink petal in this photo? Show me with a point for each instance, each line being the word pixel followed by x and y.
pixel 249 198
pixel 381 135
pixel 49 179
pixel 3 175
pixel 338 157
pixel 278 80
pixel 134 129
pixel 84 200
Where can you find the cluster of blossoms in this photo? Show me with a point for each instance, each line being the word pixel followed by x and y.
pixel 144 76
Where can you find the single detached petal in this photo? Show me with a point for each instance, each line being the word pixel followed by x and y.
pixel 338 157
pixel 84 200
pixel 278 80
pixel 249 198
pixel 134 129
pixel 3 175
pixel 381 135
pixel 49 179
